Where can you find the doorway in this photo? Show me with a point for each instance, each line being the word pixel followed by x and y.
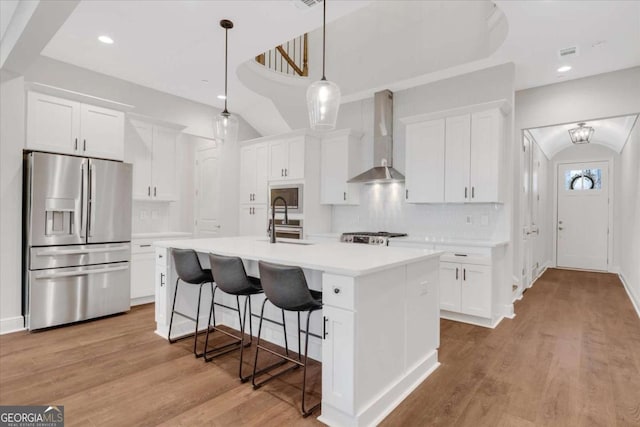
pixel 582 236
pixel 207 223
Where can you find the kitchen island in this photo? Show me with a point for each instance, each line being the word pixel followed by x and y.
pixel 378 333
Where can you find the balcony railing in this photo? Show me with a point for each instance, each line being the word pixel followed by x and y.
pixel 288 58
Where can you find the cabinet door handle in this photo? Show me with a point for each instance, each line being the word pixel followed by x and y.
pixel 149 191
pixel 406 194
pixel 344 196
pixel 84 145
pixel 464 274
pixel 145 246
pixel 465 192
pixel 473 192
pixel 281 172
pixel 162 279
pixel 76 146
pixel 155 192
pixel 286 172
pixel 456 273
pixel 324 327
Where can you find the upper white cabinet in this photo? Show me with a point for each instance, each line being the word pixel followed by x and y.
pixel 286 159
pixel 340 158
pixel 253 174
pixel 152 150
pixel 424 172
pixel 69 127
pixel 455 159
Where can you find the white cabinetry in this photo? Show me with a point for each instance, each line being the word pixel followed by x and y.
pixel 253 220
pixel 286 159
pixel 152 150
pixel 69 127
pixel 455 158
pixel 253 174
pixel 338 352
pixel 424 178
pixel 161 275
pixel 142 271
pixel 465 288
pixel 340 158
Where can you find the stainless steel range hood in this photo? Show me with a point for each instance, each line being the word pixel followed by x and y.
pixel 382 170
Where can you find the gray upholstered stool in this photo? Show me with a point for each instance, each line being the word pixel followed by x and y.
pixel 189 271
pixel 286 288
pixel 232 279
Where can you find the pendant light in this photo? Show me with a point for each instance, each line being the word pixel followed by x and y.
pixel 226 124
pixel 323 97
pixel 581 134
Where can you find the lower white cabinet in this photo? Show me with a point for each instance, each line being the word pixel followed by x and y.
pixel 338 386
pixel 253 220
pixel 142 268
pixel 160 281
pixel 465 288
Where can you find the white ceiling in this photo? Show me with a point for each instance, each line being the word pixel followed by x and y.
pixel 172 46
pixel 612 133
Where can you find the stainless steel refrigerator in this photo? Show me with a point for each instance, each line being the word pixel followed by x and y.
pixel 77 234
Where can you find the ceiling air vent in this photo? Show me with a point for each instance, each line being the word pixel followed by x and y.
pixel 306 4
pixel 568 52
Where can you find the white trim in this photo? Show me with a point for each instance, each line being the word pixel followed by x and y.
pixel 610 178
pixel 11 324
pixel 502 104
pixel 636 304
pixel 475 320
pixel 155 121
pixel 77 96
pixel 143 300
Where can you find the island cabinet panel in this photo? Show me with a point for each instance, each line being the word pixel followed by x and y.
pixel 161 276
pixel 338 380
pixel 422 314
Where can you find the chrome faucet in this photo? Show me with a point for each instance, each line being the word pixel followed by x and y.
pixel 272 226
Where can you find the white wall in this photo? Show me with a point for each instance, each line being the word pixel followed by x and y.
pixel 198 119
pixel 11 143
pixel 629 194
pixel 604 95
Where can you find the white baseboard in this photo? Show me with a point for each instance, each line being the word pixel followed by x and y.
pixel 11 324
pixel 634 301
pixel 143 300
pixel 472 320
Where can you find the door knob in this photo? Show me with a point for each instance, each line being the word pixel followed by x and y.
pixel 560 228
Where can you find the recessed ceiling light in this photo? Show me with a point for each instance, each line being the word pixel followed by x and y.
pixel 564 68
pixel 222 97
pixel 204 81
pixel 106 39
pixel 599 44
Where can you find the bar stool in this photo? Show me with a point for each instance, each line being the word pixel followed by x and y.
pixel 190 271
pixel 286 288
pixel 231 278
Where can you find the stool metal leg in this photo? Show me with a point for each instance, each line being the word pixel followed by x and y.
pixel 257 372
pixel 306 413
pixel 173 310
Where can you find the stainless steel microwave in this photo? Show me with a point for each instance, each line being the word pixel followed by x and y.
pixel 292 194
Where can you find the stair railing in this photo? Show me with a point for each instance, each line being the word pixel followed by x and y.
pixel 288 58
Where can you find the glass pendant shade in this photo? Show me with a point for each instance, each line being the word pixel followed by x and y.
pixel 226 127
pixel 323 102
pixel 582 134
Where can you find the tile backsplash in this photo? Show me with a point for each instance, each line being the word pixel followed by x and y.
pixel 382 208
pixel 149 217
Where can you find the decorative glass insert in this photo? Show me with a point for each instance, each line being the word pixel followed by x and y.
pixel 585 179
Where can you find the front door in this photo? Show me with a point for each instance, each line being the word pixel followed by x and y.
pixel 583 215
pixel 207 191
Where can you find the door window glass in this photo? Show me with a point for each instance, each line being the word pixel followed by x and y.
pixel 585 179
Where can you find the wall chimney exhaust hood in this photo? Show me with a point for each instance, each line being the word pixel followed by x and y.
pixel 382 171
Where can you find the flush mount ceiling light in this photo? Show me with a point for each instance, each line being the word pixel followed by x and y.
pixel 226 124
pixel 564 68
pixel 323 96
pixel 222 97
pixel 581 134
pixel 105 39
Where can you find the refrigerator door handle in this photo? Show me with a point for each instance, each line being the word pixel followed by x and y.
pixel 92 191
pixel 81 272
pixel 54 252
pixel 83 197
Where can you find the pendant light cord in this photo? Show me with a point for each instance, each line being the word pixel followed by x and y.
pixel 324 37
pixel 226 54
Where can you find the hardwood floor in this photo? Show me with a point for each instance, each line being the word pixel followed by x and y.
pixel 571 357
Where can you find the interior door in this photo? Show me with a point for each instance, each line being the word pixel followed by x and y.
pixel 583 216
pixel 537 244
pixel 109 202
pixel 526 211
pixel 207 193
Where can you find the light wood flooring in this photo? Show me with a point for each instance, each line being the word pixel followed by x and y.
pixel 571 357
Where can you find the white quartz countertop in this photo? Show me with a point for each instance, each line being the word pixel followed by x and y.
pixel 336 258
pixel 161 235
pixel 449 242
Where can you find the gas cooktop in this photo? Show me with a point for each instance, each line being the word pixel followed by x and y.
pixel 369 237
